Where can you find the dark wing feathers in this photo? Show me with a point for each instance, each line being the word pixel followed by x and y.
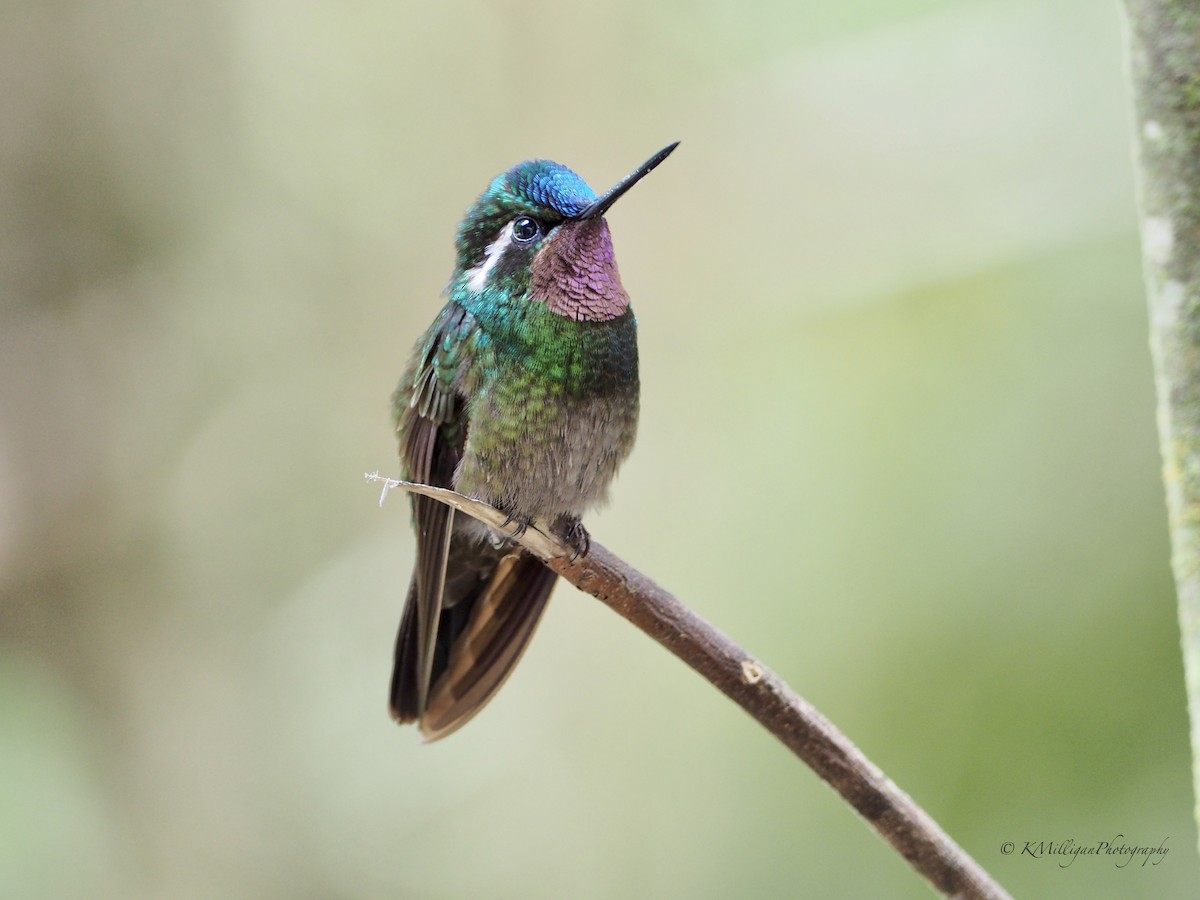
pixel 405 704
pixel 472 607
pixel 427 408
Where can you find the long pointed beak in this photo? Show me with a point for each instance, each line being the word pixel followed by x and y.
pixel 601 206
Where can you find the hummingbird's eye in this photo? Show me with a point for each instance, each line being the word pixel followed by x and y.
pixel 525 229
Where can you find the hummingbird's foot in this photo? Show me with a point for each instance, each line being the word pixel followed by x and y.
pixel 575 535
pixel 510 517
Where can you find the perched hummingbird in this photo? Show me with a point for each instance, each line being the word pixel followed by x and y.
pixel 523 393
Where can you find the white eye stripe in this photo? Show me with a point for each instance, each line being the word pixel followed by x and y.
pixel 478 276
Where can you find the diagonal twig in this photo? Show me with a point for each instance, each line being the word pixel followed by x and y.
pixel 755 688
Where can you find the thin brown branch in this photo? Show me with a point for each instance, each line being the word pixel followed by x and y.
pixel 758 691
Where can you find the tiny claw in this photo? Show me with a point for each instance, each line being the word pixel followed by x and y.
pixel 577 538
pixel 510 517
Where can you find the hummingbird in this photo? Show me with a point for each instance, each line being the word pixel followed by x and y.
pixel 523 394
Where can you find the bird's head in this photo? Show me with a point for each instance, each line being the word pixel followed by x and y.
pixel 538 232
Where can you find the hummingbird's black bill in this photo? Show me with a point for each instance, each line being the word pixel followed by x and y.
pixel 601 206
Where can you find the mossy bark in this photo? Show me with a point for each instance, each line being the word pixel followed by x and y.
pixel 1165 67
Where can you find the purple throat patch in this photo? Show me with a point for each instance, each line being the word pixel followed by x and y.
pixel 575 274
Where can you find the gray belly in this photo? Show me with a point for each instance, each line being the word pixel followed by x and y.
pixel 548 460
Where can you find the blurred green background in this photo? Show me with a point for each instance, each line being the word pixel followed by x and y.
pixel 897 439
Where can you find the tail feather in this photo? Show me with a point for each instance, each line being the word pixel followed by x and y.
pixel 502 621
pixel 481 635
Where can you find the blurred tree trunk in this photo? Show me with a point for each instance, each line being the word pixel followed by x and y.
pixel 1165 66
